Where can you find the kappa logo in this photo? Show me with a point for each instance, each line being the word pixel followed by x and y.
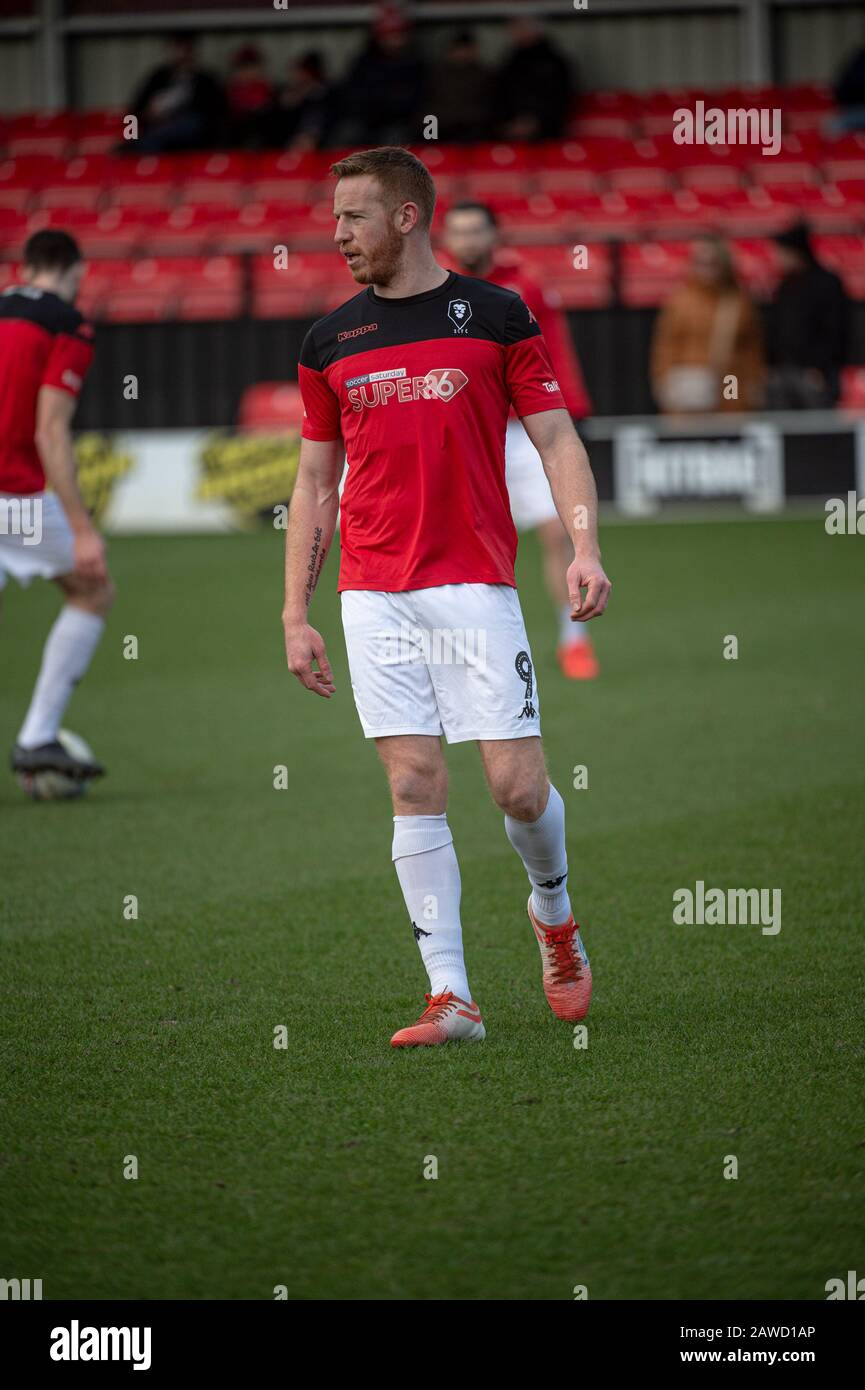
pixel 459 313
pixel 419 931
pixel 379 388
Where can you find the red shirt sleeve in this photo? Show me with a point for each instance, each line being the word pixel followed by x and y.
pixel 532 385
pixel 69 360
pixel 321 413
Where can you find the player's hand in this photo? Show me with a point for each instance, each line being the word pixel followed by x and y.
pixel 304 649
pixel 587 574
pixel 90 555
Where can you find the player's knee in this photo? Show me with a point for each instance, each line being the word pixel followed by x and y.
pixel 102 597
pixel 416 784
pixel 518 796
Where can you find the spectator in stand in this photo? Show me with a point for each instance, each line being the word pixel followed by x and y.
pixel 707 345
pixel 250 95
pixel 807 328
pixel 460 92
pixel 179 106
pixel 850 95
pixel 534 86
pixel 380 96
pixel 301 114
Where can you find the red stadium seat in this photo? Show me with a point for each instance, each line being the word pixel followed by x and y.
pixel 276 178
pixel 98 132
pixel 144 179
pixel 217 177
pixel 651 270
pixel 853 389
pixel 756 265
pixel 22 179
pixel 755 212
pixel 845 158
pixel 308 281
pixel 271 406
pixel 187 230
pixel 33 134
pixel 846 256
pixel 143 291
pixel 211 289
pixel 82 184
pixel 13 232
pixel 589 287
pixel 107 233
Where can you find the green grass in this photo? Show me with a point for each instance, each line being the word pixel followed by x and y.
pixel 258 907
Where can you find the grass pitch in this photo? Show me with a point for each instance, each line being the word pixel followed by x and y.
pixel 304 1166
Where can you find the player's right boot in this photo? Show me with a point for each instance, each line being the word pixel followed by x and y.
pixel 446 1018
pixel 567 973
pixel 53 757
pixel 577 661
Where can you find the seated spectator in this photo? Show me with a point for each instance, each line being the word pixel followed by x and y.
pixel 301 113
pixel 179 106
pixel 534 85
pixel 380 97
pixel 707 331
pixel 807 328
pixel 460 92
pixel 850 95
pixel 250 95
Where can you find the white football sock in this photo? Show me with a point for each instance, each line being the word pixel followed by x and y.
pixel 570 633
pixel 541 846
pixel 429 876
pixel 68 652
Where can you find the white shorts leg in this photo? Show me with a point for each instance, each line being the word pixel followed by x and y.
pixel 393 692
pixel 531 500
pixel 35 538
pixel 479 661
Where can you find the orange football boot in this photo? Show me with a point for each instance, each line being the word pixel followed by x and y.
pixel 567 973
pixel 578 662
pixel 446 1018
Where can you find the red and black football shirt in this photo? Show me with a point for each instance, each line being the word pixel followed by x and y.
pixel 43 342
pixel 420 388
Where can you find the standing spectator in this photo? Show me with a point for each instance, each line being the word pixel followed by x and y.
pixel 849 93
pixel 460 92
pixel 807 328
pixel 250 94
pixel 380 96
pixel 179 106
pixel 707 331
pixel 534 86
pixel 300 116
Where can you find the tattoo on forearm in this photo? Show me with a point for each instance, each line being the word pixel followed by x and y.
pixel 313 569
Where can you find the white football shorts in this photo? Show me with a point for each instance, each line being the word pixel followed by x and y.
pixel 452 660
pixel 35 538
pixel 531 500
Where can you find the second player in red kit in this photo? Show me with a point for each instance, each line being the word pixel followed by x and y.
pixel 412 381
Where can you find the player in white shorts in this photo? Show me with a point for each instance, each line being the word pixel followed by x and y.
pixel 412 380
pixel 472 241
pixel 46 349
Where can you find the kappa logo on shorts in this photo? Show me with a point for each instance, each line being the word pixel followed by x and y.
pixel 524 671
pixel 459 313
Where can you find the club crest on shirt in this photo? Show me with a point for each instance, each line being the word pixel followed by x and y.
pixel 459 313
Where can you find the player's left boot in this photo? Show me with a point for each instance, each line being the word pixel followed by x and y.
pixel 578 662
pixel 567 973
pixel 446 1018
pixel 54 757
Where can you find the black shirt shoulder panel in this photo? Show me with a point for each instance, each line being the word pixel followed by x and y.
pixel 47 310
